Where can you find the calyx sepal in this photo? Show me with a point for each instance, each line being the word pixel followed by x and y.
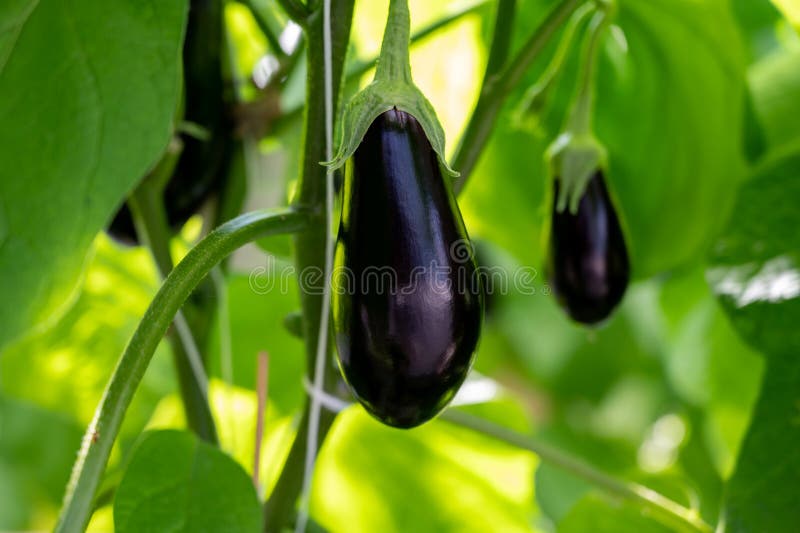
pixel 573 160
pixel 392 88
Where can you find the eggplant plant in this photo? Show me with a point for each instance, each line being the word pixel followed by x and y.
pixel 298 341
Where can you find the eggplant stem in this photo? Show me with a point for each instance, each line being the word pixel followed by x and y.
pixel 666 510
pixel 104 428
pixel 496 89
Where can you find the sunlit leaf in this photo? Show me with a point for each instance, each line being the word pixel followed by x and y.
pixel 175 482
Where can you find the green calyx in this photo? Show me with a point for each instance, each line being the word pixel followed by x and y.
pixel 577 154
pixel 393 87
pixel 574 159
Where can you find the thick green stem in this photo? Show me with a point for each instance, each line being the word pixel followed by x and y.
pixel 102 432
pixel 310 244
pixel 667 511
pixel 497 88
pixel 394 63
pixel 358 69
pixel 147 208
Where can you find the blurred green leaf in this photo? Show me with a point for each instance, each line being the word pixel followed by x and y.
pixel 65 368
pixel 775 87
pixel 87 97
pixel 37 449
pixel 669 109
pixel 758 22
pixel 754 266
pixel 755 275
pixel 438 477
pixel 175 482
pixel 763 495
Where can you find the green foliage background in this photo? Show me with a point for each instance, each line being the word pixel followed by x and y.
pixel 692 388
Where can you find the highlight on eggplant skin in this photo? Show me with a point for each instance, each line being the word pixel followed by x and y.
pixel 406 348
pixel 588 264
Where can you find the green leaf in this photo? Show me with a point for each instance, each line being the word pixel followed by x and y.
pixel 758 22
pixel 669 110
pixel 670 113
pixel 66 367
pixel 763 495
pixel 755 266
pixel 438 477
pixel 87 97
pixel 775 88
pixel 175 482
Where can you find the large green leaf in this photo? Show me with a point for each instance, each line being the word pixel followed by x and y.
pixel 763 495
pixel 670 112
pixel 669 109
pixel 175 482
pixel 755 266
pixel 88 91
pixel 754 271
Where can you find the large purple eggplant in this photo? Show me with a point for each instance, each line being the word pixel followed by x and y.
pixel 407 302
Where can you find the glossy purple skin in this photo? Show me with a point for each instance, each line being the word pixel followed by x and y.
pixel 406 307
pixel 588 264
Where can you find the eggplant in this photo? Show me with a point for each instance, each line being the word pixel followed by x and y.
pixel 588 264
pixel 407 302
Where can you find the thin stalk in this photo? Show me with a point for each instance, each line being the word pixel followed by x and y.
pixel 667 511
pixel 180 283
pixel 549 77
pixel 496 89
pixel 310 245
pixel 150 219
pixel 580 120
pixel 501 40
pixel 266 29
pixel 297 10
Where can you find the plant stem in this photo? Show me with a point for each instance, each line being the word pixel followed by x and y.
pixel 580 118
pixel 359 68
pixel 150 219
pixel 393 63
pixel 668 511
pixel 266 29
pixel 296 10
pixel 180 283
pixel 310 245
pixel 497 87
